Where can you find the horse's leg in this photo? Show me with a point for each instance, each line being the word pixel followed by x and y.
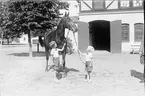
pixel 63 59
pixel 47 58
pixel 64 66
pixel 144 74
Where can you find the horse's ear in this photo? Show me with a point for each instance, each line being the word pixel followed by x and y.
pixel 68 14
pixel 65 14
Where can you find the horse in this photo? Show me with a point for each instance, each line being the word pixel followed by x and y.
pixel 58 35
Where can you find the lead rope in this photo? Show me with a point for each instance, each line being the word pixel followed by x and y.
pixel 78 50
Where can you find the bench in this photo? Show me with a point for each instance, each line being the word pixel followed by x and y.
pixel 135 48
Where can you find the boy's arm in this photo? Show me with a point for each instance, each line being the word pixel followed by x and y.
pixel 81 52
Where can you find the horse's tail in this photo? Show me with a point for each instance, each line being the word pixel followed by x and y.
pixel 41 41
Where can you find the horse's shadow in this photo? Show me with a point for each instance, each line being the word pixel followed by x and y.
pixel 137 75
pixel 61 71
pixel 35 54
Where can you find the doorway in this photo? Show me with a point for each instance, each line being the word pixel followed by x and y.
pixel 99 34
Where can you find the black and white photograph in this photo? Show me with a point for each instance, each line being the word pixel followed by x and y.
pixel 72 48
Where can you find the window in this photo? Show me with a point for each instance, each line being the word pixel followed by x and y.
pixel 124 3
pixel 98 4
pixel 138 29
pixel 125 32
pixel 137 3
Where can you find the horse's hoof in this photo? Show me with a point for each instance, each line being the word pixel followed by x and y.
pixel 64 75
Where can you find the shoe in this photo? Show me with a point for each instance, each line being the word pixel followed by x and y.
pixel 90 81
pixel 56 80
pixel 86 80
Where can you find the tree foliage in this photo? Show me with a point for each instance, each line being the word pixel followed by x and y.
pixel 7 28
pixel 34 15
pixel 18 16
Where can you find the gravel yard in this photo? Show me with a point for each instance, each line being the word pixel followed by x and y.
pixel 113 75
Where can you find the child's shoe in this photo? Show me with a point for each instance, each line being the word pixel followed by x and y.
pixel 56 80
pixel 90 81
pixel 86 80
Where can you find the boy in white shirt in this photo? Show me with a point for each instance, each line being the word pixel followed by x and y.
pixel 55 56
pixel 88 62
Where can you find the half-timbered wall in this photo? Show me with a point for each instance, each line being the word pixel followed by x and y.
pixel 109 5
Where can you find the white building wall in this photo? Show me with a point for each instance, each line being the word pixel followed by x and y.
pixel 24 39
pixel 130 18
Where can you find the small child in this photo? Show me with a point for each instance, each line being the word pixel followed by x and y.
pixel 55 56
pixel 88 62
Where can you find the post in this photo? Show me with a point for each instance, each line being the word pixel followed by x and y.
pixel 37 47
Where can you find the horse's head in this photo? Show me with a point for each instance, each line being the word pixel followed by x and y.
pixel 69 23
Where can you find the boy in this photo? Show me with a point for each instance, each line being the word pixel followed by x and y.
pixel 88 62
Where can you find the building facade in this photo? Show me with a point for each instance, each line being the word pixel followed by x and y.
pixel 113 25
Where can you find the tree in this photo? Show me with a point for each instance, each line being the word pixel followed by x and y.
pixel 8 30
pixel 34 17
pixel 3 19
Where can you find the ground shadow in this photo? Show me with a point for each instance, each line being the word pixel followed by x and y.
pixel 137 75
pixel 61 71
pixel 35 54
pixel 14 44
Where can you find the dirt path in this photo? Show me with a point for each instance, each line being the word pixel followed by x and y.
pixel 24 76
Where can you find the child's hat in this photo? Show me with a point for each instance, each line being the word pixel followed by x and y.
pixel 52 44
pixel 90 48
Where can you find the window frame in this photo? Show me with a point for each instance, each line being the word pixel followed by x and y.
pixel 137 6
pixel 120 7
pixel 122 32
pixel 136 40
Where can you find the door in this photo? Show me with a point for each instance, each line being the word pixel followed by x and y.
pixel 83 36
pixel 115 40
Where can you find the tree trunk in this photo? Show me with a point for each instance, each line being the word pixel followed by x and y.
pixel 30 44
pixel 1 37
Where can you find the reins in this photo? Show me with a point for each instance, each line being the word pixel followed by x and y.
pixel 78 49
pixel 76 45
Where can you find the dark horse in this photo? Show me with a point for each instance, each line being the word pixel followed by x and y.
pixel 58 36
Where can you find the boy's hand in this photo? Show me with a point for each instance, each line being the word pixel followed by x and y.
pixel 78 51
